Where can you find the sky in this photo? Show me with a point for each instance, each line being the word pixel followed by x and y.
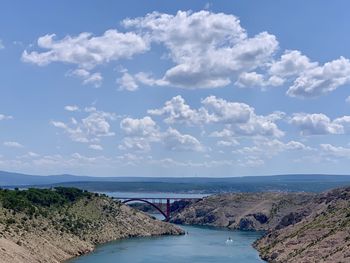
pixel 175 88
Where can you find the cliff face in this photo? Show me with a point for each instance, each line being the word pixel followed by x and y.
pixel 321 236
pixel 246 211
pixel 300 227
pixel 55 234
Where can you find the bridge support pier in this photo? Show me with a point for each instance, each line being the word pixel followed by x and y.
pixel 167 209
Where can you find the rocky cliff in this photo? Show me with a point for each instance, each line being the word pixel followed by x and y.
pixel 320 236
pixel 51 226
pixel 246 211
pixel 299 227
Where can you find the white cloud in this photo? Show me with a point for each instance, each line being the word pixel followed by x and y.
pixel 253 79
pixel 224 111
pixel 13 144
pixel 316 124
pixel 1 45
pixel 141 133
pixel 292 63
pixel 140 127
pixel 127 82
pixel 239 117
pixel 86 50
pixel 226 137
pixel 88 77
pixel 334 151
pixel 5 117
pixel 265 148
pixel 176 141
pixel 96 147
pixel 225 133
pixel 136 144
pixel 347 100
pixel 71 108
pixel 90 128
pixel 321 79
pixel 208 49
pixel 176 110
pixel 309 79
pixel 33 154
pixel 345 122
pixel 227 143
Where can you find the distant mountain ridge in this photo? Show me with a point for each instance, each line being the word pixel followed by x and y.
pixel 18 179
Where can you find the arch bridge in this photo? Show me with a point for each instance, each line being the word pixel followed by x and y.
pixel 161 204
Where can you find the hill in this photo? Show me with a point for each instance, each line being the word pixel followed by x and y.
pixel 299 227
pixel 322 234
pixel 290 183
pixel 41 225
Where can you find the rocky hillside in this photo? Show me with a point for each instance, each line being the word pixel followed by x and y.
pixel 300 227
pixel 55 225
pixel 320 236
pixel 246 211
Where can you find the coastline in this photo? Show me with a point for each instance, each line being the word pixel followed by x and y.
pixel 54 234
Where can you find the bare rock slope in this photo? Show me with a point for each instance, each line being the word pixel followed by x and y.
pixel 246 211
pixel 299 227
pixel 321 236
pixel 37 231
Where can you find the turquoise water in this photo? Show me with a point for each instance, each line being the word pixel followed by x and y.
pixel 200 245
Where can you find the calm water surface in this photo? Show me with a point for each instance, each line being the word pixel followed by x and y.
pixel 201 245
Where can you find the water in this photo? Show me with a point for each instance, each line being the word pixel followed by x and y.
pixel 201 245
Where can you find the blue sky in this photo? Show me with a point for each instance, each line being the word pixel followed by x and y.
pixel 170 88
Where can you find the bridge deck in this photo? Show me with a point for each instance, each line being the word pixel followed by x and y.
pixel 157 198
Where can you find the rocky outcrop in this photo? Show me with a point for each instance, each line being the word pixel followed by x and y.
pixel 245 211
pixel 55 234
pixel 320 236
pixel 299 227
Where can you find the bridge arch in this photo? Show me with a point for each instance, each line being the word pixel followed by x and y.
pixel 147 202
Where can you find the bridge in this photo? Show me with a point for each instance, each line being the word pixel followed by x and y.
pixel 161 204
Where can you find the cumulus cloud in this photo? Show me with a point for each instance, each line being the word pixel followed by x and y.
pixel 267 148
pixel 208 49
pixel 85 50
pixel 127 82
pixel 141 133
pixel 13 144
pixel 291 63
pixel 316 124
pixel 90 128
pixel 321 79
pixel 139 127
pixel 253 79
pixel 176 110
pixel 176 141
pixel 240 118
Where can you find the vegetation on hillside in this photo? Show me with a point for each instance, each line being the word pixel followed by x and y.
pixel 29 200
